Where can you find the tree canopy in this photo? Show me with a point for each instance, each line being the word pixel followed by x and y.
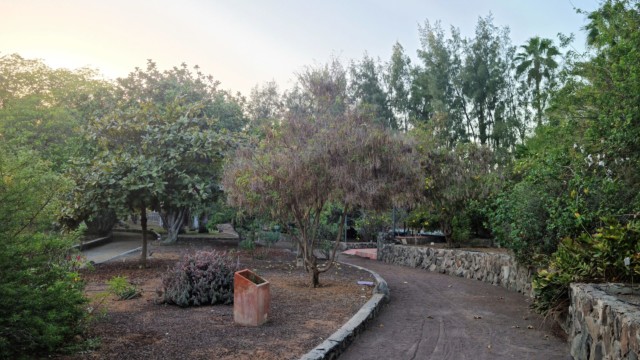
pixel 319 155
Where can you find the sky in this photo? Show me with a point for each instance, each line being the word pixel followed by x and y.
pixel 243 43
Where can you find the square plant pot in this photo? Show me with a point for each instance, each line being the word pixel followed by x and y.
pixel 251 298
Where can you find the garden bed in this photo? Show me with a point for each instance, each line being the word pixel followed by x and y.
pixel 300 317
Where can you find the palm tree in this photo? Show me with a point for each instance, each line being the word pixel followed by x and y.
pixel 536 59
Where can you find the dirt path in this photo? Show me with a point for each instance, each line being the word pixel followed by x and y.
pixel 436 316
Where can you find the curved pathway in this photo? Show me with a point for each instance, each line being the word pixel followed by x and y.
pixel 437 316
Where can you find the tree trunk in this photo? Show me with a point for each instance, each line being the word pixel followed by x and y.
pixel 172 221
pixel 143 223
pixel 315 277
pixel 202 229
pixel 447 230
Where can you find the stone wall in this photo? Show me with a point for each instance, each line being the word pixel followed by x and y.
pixel 602 326
pixel 354 245
pixel 494 268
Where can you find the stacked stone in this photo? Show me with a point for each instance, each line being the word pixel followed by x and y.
pixel 602 326
pixel 354 245
pixel 496 269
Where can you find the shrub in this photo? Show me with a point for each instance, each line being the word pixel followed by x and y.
pixel 203 278
pixel 594 257
pixel 247 244
pixel 41 296
pixel 269 237
pixel 120 287
pixel 519 221
pixel 461 228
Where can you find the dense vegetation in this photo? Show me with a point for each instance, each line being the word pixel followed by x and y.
pixel 535 145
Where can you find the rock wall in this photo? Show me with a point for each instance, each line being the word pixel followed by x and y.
pixel 494 268
pixel 354 245
pixel 603 326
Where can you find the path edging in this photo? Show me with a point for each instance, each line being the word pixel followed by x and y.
pixel 338 342
pixel 93 242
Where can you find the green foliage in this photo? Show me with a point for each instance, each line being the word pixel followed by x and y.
pixel 519 222
pixel 161 146
pixel 269 237
pixel 247 244
pixel 370 223
pixel 557 189
pixel 30 192
pixel 122 288
pixel 203 278
pixel 326 248
pixel 42 109
pixel 42 295
pixel 536 60
pixel 40 292
pixel 598 257
pixel 470 84
pixel 221 213
pixel 461 228
pixel 366 90
pixel 454 177
pixel 322 153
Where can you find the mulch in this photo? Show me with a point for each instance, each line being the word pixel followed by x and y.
pixel 300 317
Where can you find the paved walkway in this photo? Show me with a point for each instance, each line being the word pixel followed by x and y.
pixel 436 316
pixel 121 244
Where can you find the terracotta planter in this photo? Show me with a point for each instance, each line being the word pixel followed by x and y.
pixel 251 298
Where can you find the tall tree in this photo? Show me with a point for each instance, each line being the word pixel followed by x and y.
pixel 367 91
pixel 484 78
pixel 397 77
pixel 160 148
pixel 537 60
pixel 265 106
pixel 436 87
pixel 42 109
pixel 316 157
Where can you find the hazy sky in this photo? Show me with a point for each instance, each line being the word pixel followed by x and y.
pixel 246 42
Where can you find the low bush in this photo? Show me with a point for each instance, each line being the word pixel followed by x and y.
pixel 203 278
pixel 612 253
pixel 247 245
pixel 122 288
pixel 269 237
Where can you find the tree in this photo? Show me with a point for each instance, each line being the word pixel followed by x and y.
pixel 453 176
pixel 397 77
pixel 484 78
pixel 265 106
pixel 581 166
pixel 161 147
pixel 436 87
pixel 42 109
pixel 536 59
pixel 367 92
pixel 318 156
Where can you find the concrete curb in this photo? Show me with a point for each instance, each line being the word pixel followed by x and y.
pixel 340 340
pixel 93 243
